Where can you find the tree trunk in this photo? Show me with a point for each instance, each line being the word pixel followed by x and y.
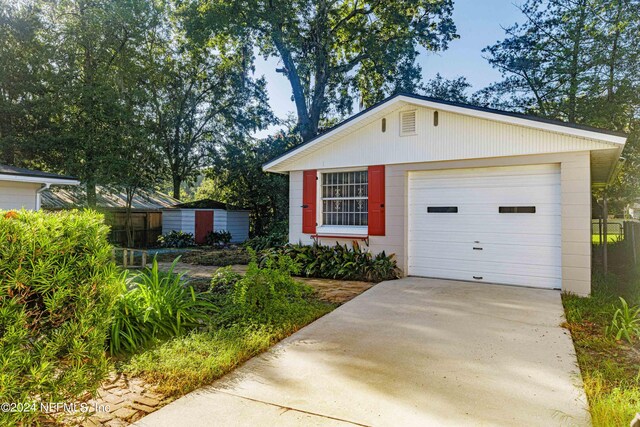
pixel 91 193
pixel 575 57
pixel 128 226
pixel 177 183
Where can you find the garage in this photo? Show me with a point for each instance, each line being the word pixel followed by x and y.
pixel 494 225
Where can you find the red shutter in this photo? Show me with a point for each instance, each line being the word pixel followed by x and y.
pixel 376 200
pixel 309 188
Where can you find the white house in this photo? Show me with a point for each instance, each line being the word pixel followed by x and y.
pixel 21 188
pixel 455 191
pixel 204 216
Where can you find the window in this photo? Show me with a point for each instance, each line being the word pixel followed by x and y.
pixel 345 198
pixel 407 123
pixel 517 209
pixel 442 209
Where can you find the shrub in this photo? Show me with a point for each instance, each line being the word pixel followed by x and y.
pixel 266 296
pixel 57 289
pixel 625 323
pixel 338 262
pixel 176 239
pixel 224 280
pixel 155 305
pixel 271 240
pixel 218 238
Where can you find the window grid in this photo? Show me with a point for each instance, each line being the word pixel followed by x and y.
pixel 345 198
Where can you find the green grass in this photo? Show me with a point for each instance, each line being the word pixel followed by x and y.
pixel 611 238
pixel 184 364
pixel 610 368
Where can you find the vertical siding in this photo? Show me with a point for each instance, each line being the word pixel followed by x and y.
pixel 189 220
pixel 238 225
pixel 17 195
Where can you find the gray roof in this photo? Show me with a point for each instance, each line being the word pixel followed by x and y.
pixel 74 197
pixel 207 204
pixel 12 170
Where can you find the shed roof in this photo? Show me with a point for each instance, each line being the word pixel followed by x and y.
pixel 69 198
pixel 207 204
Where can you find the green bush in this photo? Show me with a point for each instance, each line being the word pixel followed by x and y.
pixel 155 305
pixel 218 238
pixel 275 239
pixel 176 239
pixel 266 296
pixel 625 323
pixel 224 280
pixel 337 262
pixel 57 290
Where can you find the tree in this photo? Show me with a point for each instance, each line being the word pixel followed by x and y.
pixel 331 51
pixel 578 61
pixel 454 90
pixel 237 178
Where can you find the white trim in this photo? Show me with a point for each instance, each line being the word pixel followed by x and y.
pixel 583 133
pixel 346 230
pixel 39 180
pixel 320 199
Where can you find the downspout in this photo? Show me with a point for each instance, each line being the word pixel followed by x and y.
pixel 39 191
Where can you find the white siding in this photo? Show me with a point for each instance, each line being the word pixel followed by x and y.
pixel 18 195
pixel 219 220
pixel 188 221
pixel 238 225
pixel 456 137
pixel 575 199
pixel 171 220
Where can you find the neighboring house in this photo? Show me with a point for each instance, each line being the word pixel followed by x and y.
pixel 634 210
pixel 455 191
pixel 204 216
pixel 21 188
pixel 146 211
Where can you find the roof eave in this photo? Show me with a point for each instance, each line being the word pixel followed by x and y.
pixel 39 180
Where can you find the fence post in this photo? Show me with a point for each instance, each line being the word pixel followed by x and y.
pixel 144 259
pixel 131 253
pixel 124 257
pixel 633 242
pixel 605 214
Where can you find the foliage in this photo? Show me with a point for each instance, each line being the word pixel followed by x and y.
pixel 609 367
pixel 454 90
pixel 625 323
pixel 57 289
pixel 218 257
pixel 155 305
pixel 337 262
pixel 224 280
pixel 218 238
pixel 176 239
pixel 332 51
pixel 236 177
pixel 274 239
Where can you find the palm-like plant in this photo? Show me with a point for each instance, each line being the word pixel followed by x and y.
pixel 625 323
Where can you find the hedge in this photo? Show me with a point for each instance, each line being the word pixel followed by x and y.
pixel 57 289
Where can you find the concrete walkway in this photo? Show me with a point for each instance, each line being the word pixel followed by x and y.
pixel 410 352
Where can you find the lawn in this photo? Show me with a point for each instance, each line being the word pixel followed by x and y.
pixel 611 238
pixel 610 368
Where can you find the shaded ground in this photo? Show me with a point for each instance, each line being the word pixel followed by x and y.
pixel 336 291
pixel 408 352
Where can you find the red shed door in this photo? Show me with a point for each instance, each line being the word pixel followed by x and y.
pixel 204 225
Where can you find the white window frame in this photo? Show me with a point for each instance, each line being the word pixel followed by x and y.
pixel 347 230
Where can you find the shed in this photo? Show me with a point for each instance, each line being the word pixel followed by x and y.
pixel 200 217
pixel 21 188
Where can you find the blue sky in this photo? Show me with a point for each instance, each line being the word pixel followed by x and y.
pixel 479 24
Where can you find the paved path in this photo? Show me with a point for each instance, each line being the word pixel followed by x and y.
pixel 411 352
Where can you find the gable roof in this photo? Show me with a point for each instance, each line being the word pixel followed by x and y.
pixel 13 173
pixel 526 120
pixel 70 198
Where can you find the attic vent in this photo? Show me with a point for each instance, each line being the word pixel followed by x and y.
pixel 407 123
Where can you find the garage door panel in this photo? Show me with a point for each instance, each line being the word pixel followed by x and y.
pixel 513 239
pixel 506 254
pixel 515 248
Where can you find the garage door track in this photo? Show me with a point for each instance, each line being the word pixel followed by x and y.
pixel 407 352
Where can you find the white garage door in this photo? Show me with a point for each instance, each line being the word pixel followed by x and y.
pixel 495 225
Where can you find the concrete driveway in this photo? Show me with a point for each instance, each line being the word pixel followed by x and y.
pixel 410 352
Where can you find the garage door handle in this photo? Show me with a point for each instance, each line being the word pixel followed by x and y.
pixel 477 249
pixel 477 277
pixel 304 206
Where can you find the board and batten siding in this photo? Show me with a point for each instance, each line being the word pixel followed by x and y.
pixel 18 195
pixel 575 204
